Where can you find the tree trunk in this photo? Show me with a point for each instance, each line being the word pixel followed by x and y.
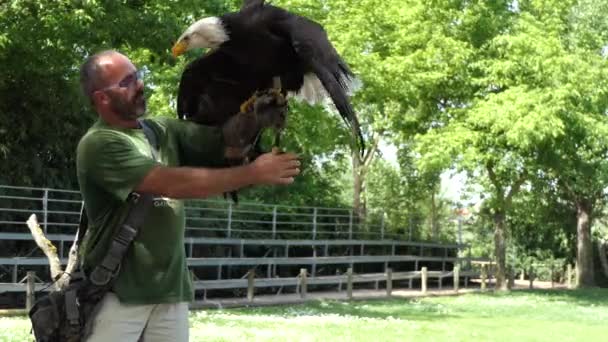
pixel 434 230
pixel 584 252
pixel 601 248
pixel 500 250
pixel 358 182
pixel 360 167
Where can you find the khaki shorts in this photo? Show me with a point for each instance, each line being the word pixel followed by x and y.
pixel 118 322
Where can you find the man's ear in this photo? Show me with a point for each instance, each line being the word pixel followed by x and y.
pixel 99 97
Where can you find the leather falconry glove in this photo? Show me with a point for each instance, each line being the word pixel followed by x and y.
pixel 267 109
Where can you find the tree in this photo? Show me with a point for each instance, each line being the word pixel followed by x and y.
pixel 492 108
pixel 42 44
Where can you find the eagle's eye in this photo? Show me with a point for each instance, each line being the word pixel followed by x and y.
pixel 186 38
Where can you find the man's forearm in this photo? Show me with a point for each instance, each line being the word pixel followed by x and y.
pixel 186 182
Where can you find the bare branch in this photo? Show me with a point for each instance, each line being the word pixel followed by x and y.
pixel 51 253
pixel 46 245
pixel 515 188
pixel 371 152
pixel 494 180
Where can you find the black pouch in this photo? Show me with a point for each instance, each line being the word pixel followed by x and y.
pixel 64 315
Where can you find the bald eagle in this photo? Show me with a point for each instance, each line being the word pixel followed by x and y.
pixel 251 48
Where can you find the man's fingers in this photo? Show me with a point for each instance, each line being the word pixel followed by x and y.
pixel 285 181
pixel 287 156
pixel 290 173
pixel 292 164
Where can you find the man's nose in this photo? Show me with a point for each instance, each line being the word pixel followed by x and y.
pixel 139 84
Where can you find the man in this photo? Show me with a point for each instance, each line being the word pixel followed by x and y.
pixel 151 293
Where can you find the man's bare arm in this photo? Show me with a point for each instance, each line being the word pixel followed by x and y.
pixel 187 182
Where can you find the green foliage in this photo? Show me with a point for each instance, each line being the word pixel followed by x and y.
pixel 43 43
pixel 518 87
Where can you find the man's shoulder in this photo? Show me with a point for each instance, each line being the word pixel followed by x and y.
pixel 101 138
pixel 165 123
pixel 99 135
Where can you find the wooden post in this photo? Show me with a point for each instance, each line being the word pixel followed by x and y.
pixel 389 281
pixel 569 276
pixel 423 279
pixel 303 284
pixel 531 276
pixel 250 284
pixel 484 276
pixel 30 295
pixel 349 283
pixel 456 278
pixel 552 274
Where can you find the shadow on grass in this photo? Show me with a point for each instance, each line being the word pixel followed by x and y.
pixel 427 309
pixel 583 297
pixel 595 296
pixel 409 309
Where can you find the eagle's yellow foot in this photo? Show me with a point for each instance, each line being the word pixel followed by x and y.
pixel 248 105
pixel 278 95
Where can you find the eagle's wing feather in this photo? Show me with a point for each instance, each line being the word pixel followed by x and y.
pixel 313 47
pixel 247 4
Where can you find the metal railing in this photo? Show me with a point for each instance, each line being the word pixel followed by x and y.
pixel 58 212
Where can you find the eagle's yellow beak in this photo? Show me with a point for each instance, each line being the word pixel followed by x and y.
pixel 179 48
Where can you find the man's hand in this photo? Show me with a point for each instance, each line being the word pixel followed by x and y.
pixel 275 168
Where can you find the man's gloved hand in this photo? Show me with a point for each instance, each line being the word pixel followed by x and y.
pixel 267 109
pixel 270 107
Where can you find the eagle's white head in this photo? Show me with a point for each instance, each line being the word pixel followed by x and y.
pixel 205 33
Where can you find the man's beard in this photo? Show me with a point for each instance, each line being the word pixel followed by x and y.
pixel 129 108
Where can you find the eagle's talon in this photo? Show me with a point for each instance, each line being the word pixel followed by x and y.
pixel 248 105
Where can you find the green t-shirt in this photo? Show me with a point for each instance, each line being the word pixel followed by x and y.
pixel 111 162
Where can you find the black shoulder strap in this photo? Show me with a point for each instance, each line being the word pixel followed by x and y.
pixel 138 207
pixel 139 204
pixel 151 136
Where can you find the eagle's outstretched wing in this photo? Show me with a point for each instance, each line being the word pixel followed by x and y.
pixel 247 4
pixel 313 47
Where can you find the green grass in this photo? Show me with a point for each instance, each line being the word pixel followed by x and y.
pixel 517 316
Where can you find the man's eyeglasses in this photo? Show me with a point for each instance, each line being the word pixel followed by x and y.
pixel 128 81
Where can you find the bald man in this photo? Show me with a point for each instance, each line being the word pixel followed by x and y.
pixel 150 296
